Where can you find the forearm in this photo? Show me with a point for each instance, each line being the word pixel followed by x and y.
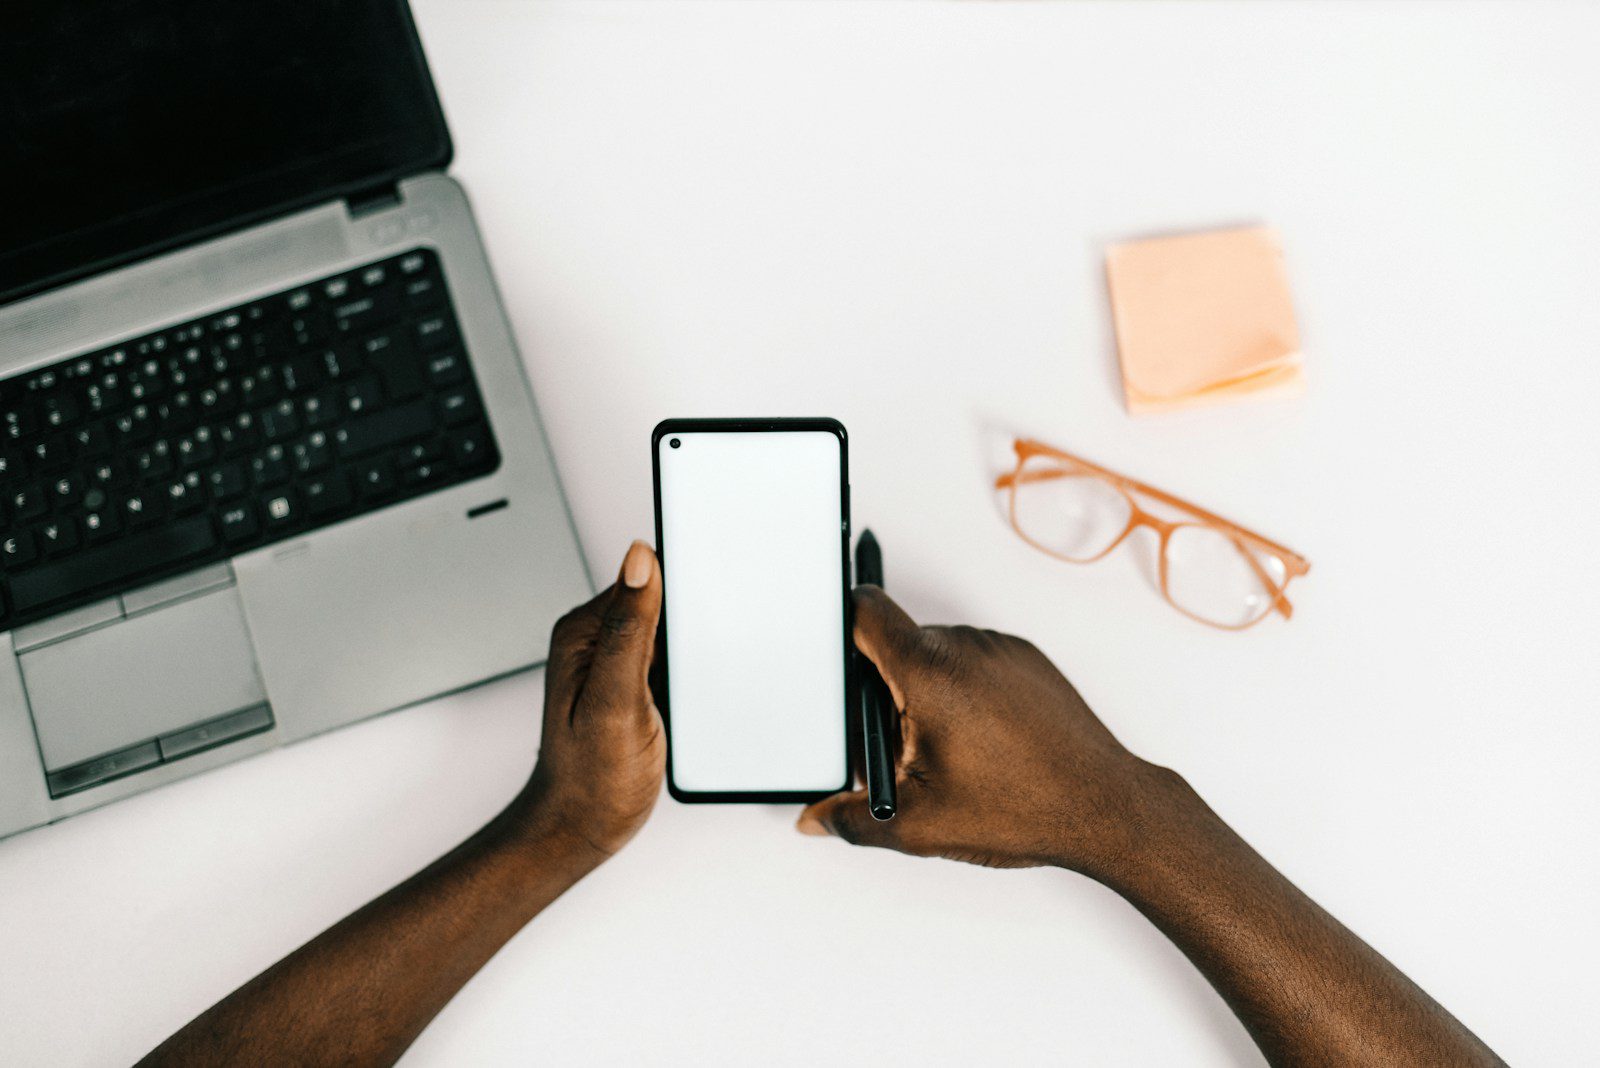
pixel 1307 989
pixel 364 989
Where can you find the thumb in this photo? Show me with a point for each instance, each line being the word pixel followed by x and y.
pixel 619 671
pixel 888 637
pixel 847 816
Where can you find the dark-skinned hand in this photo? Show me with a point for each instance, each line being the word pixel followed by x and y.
pixel 602 755
pixel 1000 761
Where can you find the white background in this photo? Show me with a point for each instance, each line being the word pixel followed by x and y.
pixel 895 215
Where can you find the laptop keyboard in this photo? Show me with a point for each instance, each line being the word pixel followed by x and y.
pixel 232 431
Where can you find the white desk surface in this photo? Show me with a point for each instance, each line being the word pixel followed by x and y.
pixel 895 214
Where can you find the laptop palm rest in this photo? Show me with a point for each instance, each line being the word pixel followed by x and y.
pixel 146 689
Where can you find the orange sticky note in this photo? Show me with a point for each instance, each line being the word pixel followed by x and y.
pixel 1203 318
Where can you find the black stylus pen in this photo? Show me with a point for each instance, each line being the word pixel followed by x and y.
pixel 877 705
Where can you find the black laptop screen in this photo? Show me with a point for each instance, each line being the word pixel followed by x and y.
pixel 130 126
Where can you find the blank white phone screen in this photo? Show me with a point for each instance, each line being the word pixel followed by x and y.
pixel 752 557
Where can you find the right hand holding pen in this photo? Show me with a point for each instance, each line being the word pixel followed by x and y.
pixel 999 760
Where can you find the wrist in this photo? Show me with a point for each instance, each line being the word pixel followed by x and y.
pixel 535 831
pixel 1149 810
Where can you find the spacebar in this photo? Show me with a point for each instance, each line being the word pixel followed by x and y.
pixel 112 563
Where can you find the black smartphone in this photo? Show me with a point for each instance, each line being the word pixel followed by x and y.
pixel 753 531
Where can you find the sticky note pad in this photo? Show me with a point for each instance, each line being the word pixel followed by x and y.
pixel 1203 318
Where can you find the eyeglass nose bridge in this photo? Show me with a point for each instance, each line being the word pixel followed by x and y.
pixel 1137 517
pixel 1141 518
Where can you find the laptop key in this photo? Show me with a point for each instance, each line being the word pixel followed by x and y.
pixel 391 356
pixel 280 421
pixel 57 536
pixel 47 453
pixel 458 405
pixel 375 479
pixel 100 525
pixel 340 362
pixel 198 448
pixel 434 332
pixel 92 438
pixel 326 495
pixel 154 462
pixel 237 436
pixel 28 502
pixel 421 452
pixel 469 447
pixel 384 429
pixel 374 307
pixel 66 490
pixel 426 474
pixel 184 495
pixel 321 408
pixel 283 511
pixel 312 454
pixel 446 368
pixel 141 509
pixel 299 376
pixel 17 550
pixel 423 291
pixel 227 481
pixel 122 559
pixel 363 395
pixel 270 468
pixel 238 521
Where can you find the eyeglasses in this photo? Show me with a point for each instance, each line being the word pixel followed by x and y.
pixel 1211 570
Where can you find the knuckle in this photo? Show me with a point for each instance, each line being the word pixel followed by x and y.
pixel 942 649
pixel 968 635
pixel 569 628
pixel 618 624
pixel 846 829
pixel 1011 642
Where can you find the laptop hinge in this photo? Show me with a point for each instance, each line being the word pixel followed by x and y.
pixel 374 198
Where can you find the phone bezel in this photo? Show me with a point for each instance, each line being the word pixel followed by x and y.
pixel 744 426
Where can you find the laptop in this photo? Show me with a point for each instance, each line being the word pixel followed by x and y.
pixel 269 460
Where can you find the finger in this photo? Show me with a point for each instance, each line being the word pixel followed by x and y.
pixel 888 637
pixel 571 649
pixel 619 671
pixel 846 816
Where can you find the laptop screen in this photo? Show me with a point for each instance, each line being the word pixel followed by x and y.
pixel 128 127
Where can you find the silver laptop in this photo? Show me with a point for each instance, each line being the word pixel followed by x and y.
pixel 269 461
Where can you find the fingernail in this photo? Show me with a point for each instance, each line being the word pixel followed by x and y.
pixel 636 565
pixel 810 825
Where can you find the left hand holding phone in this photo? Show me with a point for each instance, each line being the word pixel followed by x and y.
pixel 602 754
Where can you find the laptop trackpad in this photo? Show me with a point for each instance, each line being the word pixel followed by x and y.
pixel 144 677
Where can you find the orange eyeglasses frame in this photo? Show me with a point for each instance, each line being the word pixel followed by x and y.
pixel 1294 564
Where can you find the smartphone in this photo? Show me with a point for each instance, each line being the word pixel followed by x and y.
pixel 753 531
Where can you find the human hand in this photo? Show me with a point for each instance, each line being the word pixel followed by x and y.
pixel 1001 762
pixel 602 754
